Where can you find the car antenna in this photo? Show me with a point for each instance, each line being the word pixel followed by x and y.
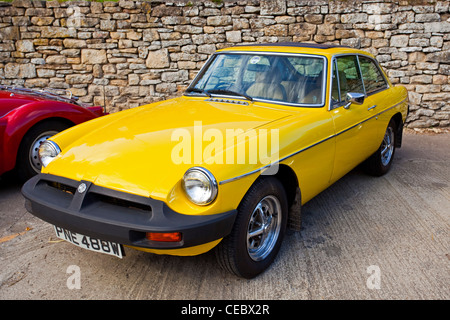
pixel 104 99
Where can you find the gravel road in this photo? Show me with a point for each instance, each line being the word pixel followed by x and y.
pixel 363 238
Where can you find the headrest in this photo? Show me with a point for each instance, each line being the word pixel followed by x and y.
pixel 258 67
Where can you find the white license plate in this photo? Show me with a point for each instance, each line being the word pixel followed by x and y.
pixel 89 243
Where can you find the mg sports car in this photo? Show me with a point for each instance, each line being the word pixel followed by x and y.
pixel 259 132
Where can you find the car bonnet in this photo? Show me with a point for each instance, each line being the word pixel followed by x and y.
pixel 135 153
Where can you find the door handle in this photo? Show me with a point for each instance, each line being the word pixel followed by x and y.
pixel 372 107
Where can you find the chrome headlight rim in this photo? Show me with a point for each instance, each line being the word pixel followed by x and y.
pixel 212 184
pixel 54 151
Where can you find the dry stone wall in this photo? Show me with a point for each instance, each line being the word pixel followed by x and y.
pixel 128 53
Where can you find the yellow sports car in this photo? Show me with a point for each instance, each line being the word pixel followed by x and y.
pixel 260 131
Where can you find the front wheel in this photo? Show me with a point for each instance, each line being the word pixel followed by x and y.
pixel 28 163
pixel 380 162
pixel 258 230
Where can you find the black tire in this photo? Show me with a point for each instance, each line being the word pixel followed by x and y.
pixel 25 166
pixel 380 162
pixel 238 254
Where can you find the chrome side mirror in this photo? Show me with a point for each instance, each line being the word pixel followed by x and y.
pixel 353 97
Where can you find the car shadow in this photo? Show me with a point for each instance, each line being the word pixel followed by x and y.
pixel 9 181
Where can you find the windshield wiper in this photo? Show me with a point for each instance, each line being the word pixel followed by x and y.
pixel 230 92
pixel 199 91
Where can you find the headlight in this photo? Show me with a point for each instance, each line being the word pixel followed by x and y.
pixel 200 186
pixel 48 150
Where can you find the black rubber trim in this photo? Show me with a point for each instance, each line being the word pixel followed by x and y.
pixel 398 142
pixel 118 216
pixel 294 44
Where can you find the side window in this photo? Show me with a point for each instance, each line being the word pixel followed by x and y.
pixel 335 99
pixel 372 76
pixel 349 76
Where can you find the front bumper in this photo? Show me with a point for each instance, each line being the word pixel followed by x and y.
pixel 118 216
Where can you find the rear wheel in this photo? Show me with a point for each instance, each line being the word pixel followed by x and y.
pixel 258 231
pixel 380 162
pixel 28 163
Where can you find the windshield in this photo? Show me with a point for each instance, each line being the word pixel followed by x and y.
pixel 290 79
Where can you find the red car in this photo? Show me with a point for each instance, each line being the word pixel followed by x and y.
pixel 27 118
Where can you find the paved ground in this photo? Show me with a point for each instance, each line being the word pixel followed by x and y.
pixel 364 238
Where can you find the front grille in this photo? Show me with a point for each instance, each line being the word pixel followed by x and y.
pixel 121 202
pixel 63 187
pixel 64 192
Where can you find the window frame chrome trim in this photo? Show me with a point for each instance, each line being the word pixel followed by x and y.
pixel 361 76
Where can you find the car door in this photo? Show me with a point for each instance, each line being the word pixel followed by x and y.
pixel 355 126
pixel 375 85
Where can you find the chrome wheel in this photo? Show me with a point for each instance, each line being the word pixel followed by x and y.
pixel 387 146
pixel 258 230
pixel 264 228
pixel 33 154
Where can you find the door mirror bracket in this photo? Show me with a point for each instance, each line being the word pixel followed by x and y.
pixel 353 97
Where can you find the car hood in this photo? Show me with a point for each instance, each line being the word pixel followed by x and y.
pixel 133 150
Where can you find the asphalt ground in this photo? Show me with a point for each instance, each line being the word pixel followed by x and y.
pixel 363 238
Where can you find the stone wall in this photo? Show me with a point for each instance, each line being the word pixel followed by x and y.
pixel 127 53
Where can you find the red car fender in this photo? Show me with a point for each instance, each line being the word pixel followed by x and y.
pixel 17 122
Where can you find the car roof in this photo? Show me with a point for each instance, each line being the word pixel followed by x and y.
pixel 297 47
pixel 296 44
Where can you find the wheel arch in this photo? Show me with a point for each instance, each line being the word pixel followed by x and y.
pixel 289 180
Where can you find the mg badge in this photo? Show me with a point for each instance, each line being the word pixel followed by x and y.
pixel 82 188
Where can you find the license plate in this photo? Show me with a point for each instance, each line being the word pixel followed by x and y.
pixel 90 243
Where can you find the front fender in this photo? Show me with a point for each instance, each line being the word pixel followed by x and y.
pixel 18 121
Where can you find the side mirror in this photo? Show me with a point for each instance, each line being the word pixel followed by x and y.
pixel 353 97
